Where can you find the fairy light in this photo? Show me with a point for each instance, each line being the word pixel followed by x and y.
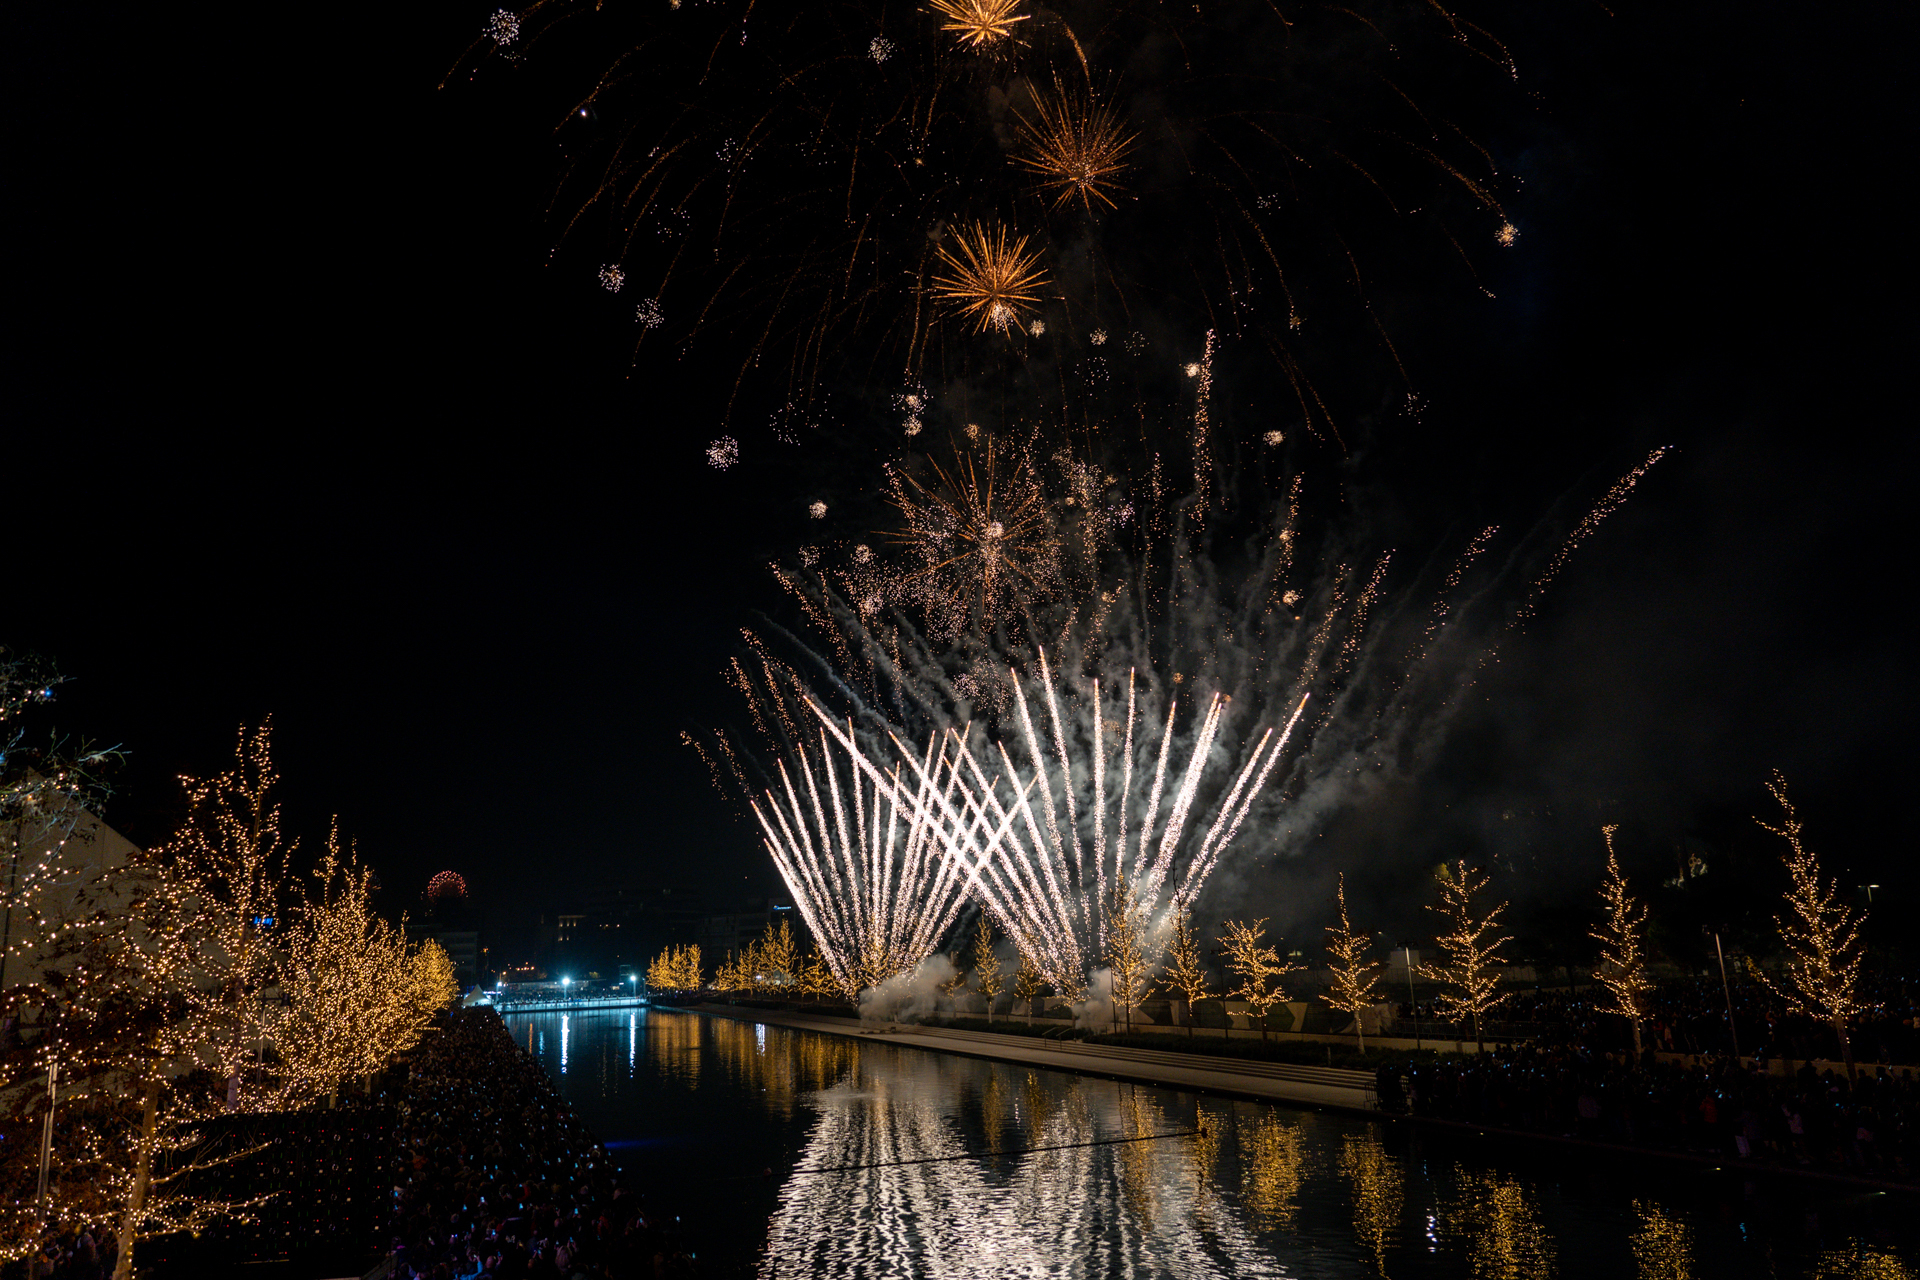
pixel 1473 953
pixel 1820 933
pixel 1259 967
pixel 1623 963
pixel 1354 976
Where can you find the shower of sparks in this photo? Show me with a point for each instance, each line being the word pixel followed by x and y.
pixel 911 426
pixel 724 452
pixel 993 279
pixel 862 554
pixel 1506 235
pixel 863 853
pixel 649 315
pixel 1202 431
pixel 1076 146
pixel 979 23
pixel 503 28
pixel 1049 887
pixel 1274 437
pixel 809 556
pixel 881 49
pixel 1616 497
pixel 612 277
pixel 818 510
pixel 1098 337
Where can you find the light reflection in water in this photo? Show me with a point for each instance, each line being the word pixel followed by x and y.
pixel 890 1162
pixel 1663 1246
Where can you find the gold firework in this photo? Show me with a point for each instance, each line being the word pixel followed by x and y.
pixel 1076 146
pixel 993 278
pixel 979 23
pixel 983 539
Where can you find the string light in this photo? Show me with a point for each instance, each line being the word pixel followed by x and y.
pixel 1354 976
pixel 1473 956
pixel 1623 964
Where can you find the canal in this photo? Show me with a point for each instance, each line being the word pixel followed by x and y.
pixel 792 1153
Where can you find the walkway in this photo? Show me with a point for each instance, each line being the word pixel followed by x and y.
pixel 1266 1081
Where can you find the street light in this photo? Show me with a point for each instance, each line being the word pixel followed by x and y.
pixel 566 982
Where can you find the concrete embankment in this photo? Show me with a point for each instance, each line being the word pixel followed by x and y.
pixel 1266 1081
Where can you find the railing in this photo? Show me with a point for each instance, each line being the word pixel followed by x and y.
pixel 545 1002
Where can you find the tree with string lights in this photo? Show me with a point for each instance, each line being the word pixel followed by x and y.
pixel 1186 968
pixel 1259 967
pixel 1027 982
pixel 1471 985
pixel 987 978
pixel 1354 976
pixel 1129 966
pixel 1622 937
pixel 1821 934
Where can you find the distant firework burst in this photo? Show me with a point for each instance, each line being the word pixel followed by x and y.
pixel 990 278
pixel 1075 146
pixel 612 277
pixel 723 453
pixel 447 886
pixel 979 24
pixel 503 28
pixel 778 179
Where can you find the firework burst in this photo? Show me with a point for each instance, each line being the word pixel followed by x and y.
pixel 992 279
pixel 979 24
pixel 1075 146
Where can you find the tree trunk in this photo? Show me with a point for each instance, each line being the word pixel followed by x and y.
pixel 1360 1029
pixel 1636 1044
pixel 1480 1041
pixel 1846 1049
pixel 142 1178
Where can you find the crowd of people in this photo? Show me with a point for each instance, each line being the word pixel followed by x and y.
pixel 499 1180
pixel 1868 1126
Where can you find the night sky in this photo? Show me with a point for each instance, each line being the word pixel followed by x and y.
pixel 300 423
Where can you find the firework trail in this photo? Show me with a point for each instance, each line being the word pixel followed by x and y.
pixel 865 856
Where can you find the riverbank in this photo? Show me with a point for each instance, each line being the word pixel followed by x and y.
pixel 1261 1081
pixel 1329 1088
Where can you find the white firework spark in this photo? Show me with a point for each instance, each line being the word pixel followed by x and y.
pixel 864 853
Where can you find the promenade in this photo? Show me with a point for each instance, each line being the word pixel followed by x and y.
pixel 1264 1081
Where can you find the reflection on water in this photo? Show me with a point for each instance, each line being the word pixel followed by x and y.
pixel 810 1154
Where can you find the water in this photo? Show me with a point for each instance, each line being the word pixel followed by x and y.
pixel 792 1153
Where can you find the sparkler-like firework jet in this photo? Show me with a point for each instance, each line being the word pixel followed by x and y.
pixel 864 855
pixel 1049 886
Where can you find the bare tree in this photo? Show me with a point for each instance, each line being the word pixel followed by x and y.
pixel 1622 938
pixel 1129 967
pixel 1354 976
pixel 1259 967
pixel 1821 935
pixel 1186 968
pixel 1473 953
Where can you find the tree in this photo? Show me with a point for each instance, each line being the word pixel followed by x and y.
pixel 953 986
pixel 1821 935
pixel 1354 976
pixel 986 965
pixel 815 978
pixel 1128 965
pixel 1027 982
pixel 1472 954
pixel 687 972
pixel 1186 972
pixel 1259 967
pixel 1623 963
pixel 776 956
pixel 660 971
